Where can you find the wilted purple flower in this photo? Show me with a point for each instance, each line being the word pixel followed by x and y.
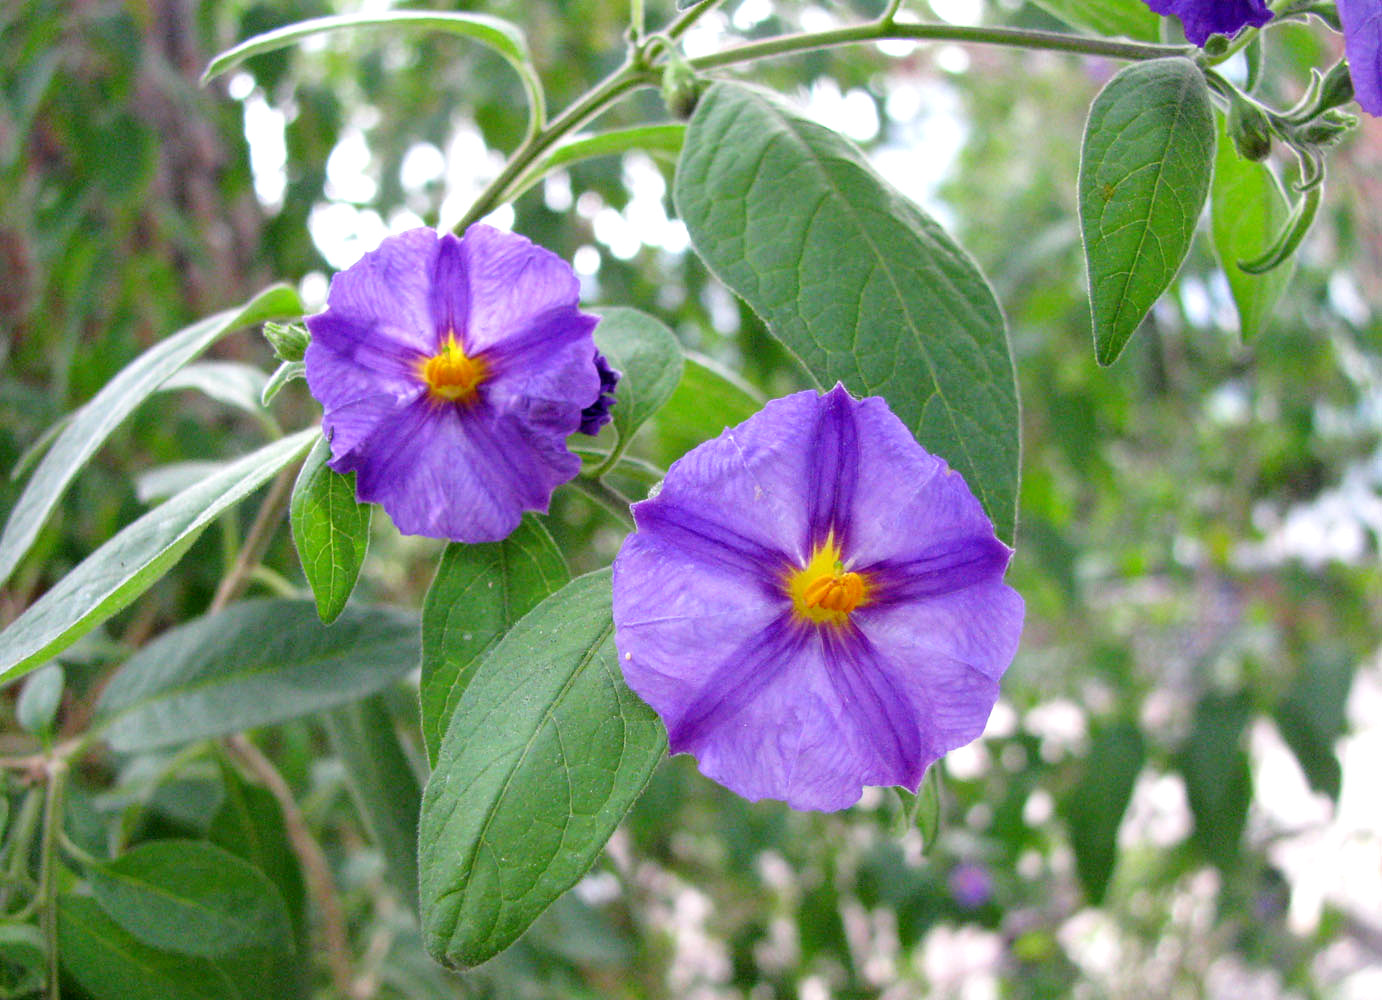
pixel 1362 22
pixel 813 603
pixel 451 371
pixel 1202 18
pixel 597 414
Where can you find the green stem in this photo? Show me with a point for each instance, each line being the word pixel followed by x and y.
pixel 47 879
pixel 257 541
pixel 689 17
pixel 24 826
pixel 891 12
pixel 606 496
pixel 876 31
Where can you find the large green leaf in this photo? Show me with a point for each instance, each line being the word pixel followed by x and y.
pixel 546 752
pixel 254 664
pixel 478 594
pixel 192 898
pixel 1145 166
pixel 856 280
pixel 650 361
pixel 330 529
pixel 124 567
pixel 90 425
pixel 383 784
pixel 111 964
pixel 1132 18
pixel 1247 209
pixel 1094 805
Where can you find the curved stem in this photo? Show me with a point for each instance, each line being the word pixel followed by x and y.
pixel 875 31
pixel 257 541
pixel 689 17
pixel 607 497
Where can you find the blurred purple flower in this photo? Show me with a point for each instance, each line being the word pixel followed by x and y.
pixel 814 603
pixel 1202 18
pixel 971 885
pixel 1362 21
pixel 450 372
pixel 597 414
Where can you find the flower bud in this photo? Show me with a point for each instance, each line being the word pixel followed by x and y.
pixel 680 88
pixel 289 340
pixel 1250 130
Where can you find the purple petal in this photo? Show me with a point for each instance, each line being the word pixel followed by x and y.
pixel 1202 18
pixel 513 285
pixel 1362 22
pixel 449 294
pixel 833 469
pixel 388 292
pixel 597 414
pixel 452 472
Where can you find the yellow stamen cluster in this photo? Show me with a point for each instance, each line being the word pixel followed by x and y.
pixel 823 590
pixel 450 375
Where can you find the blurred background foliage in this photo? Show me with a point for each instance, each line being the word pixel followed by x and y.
pixel 1176 795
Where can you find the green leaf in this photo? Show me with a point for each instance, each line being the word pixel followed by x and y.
pixel 858 282
pixel 1145 166
pixel 1130 18
pixel 283 374
pixel 546 752
pixel 250 825
pixel 111 964
pixel 708 399
pixel 191 898
pixel 164 481
pixel 1246 210
pixel 923 810
pixel 1093 807
pixel 1313 716
pixel 23 960
pixel 255 664
pixel 233 383
pixel 124 567
pixel 383 784
pixel 665 139
pixel 502 36
pixel 38 702
pixel 478 594
pixel 330 530
pixel 1218 777
pixel 650 360
pixel 93 423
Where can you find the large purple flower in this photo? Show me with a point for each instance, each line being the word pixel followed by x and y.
pixel 1202 18
pixel 813 603
pixel 451 371
pixel 1362 22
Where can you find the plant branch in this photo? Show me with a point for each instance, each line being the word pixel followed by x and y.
pixel 606 496
pixel 47 877
pixel 309 853
pixel 257 541
pixel 875 31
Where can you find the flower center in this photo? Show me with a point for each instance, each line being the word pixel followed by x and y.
pixel 823 590
pixel 450 375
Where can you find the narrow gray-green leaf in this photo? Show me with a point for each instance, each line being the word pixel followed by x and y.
pixel 658 139
pixel 383 784
pixel 283 374
pixel 111 964
pixel 93 423
pixel 191 898
pixel 124 567
pixel 233 383
pixel 330 530
pixel 1247 209
pixel 164 481
pixel 254 664
pixel 858 282
pixel 1131 18
pixel 1145 166
pixel 650 360
pixel 547 751
pixel 478 594
pixel 504 37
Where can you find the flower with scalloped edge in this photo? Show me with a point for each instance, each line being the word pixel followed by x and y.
pixel 597 414
pixel 1202 18
pixel 813 603
pixel 450 372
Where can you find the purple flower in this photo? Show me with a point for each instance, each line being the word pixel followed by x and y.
pixel 451 371
pixel 814 603
pixel 971 885
pixel 1362 21
pixel 597 414
pixel 1202 18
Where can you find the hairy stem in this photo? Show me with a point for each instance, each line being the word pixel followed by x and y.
pixel 315 868
pixel 875 31
pixel 257 541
